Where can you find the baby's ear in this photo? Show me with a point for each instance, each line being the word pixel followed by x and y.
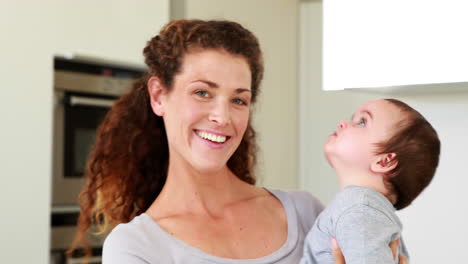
pixel 384 163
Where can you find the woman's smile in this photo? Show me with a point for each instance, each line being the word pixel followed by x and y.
pixel 213 139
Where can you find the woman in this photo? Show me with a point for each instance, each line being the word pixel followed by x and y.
pixel 173 161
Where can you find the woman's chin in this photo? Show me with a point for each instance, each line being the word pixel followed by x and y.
pixel 210 167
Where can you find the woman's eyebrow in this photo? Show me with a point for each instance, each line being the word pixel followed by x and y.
pixel 209 83
pixel 241 90
pixel 215 85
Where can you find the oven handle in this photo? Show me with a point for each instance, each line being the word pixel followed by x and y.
pixel 84 260
pixel 87 101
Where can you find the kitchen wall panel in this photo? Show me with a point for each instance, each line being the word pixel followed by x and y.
pixel 31 33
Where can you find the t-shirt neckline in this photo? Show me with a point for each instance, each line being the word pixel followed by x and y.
pixel 283 251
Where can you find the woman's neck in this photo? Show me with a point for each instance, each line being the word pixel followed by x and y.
pixel 188 190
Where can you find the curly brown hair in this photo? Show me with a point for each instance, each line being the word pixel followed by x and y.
pixel 127 166
pixel 417 148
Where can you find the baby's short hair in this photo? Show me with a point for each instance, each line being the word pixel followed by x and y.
pixel 417 149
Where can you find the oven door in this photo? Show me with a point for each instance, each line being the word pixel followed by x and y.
pixel 63 232
pixel 76 119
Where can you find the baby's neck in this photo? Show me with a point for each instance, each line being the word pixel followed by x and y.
pixel 365 179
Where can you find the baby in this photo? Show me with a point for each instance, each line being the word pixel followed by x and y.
pixel 384 158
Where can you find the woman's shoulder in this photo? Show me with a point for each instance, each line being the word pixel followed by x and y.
pixel 127 235
pixel 307 206
pixel 129 230
pixel 132 240
pixel 301 199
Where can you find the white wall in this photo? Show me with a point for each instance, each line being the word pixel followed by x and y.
pixel 115 29
pixel 25 108
pixel 31 32
pixel 275 23
pixel 435 224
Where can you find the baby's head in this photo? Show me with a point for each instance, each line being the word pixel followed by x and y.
pixel 387 145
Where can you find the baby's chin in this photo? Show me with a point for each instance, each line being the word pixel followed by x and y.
pixel 329 159
pixel 328 153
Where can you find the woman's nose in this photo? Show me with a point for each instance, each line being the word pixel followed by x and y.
pixel 220 114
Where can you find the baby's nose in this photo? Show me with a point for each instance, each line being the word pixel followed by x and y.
pixel 342 124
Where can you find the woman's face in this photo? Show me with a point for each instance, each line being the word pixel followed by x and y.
pixel 207 111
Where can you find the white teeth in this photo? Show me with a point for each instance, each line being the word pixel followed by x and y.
pixel 212 137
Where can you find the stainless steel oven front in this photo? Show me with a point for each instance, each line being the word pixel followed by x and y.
pixel 84 90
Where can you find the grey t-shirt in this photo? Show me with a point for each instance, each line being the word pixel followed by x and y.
pixel 363 222
pixel 142 240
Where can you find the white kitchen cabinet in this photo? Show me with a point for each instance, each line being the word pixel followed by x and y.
pixel 397 45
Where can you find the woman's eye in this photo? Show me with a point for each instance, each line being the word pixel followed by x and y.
pixel 202 93
pixel 239 101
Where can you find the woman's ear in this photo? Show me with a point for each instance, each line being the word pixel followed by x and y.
pixel 384 163
pixel 157 94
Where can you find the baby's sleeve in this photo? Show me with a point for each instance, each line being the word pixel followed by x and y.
pixel 364 234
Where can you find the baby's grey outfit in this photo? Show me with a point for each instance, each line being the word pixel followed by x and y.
pixel 364 223
pixel 142 240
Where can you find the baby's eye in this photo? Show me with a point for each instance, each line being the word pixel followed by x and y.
pixel 362 122
pixel 202 93
pixel 239 101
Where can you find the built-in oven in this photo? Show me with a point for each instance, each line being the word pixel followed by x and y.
pixel 84 90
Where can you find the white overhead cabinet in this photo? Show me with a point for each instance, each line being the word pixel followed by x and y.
pixel 395 44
